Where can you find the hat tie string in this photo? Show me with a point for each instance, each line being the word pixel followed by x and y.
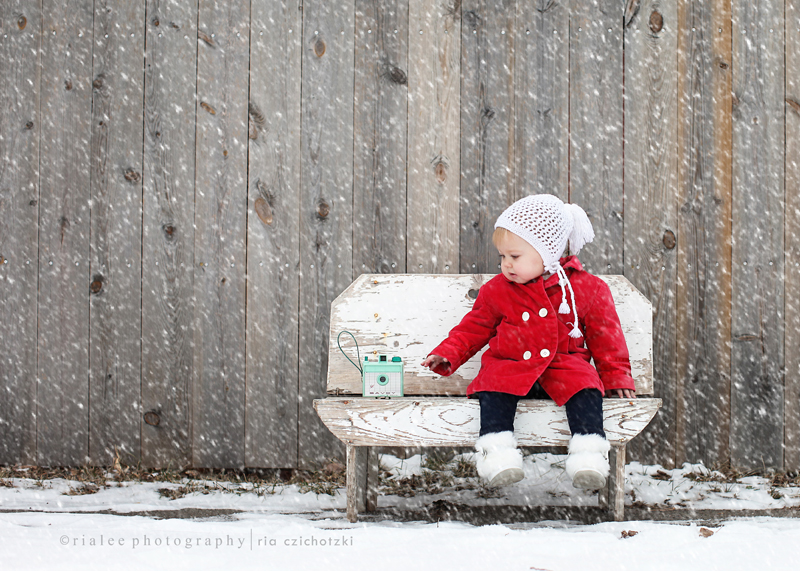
pixel 564 307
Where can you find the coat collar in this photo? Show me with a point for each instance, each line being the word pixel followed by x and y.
pixel 568 263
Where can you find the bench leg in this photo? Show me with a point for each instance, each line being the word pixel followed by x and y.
pixel 372 479
pixel 616 484
pixel 356 475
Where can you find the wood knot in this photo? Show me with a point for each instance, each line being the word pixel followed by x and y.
pixel 319 47
pixel 264 210
pixel 440 170
pixel 97 284
pixel 397 75
pixel 631 9
pixel 206 38
pixel 68 85
pixel 323 209
pixel 22 21
pixel 169 231
pixel 669 240
pixel 656 21
pixel 473 293
pixel 156 22
pixel 132 176
pixel 29 125
pixel 98 83
pixel 152 418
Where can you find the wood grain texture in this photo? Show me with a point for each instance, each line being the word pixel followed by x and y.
pixel 704 195
pixel 792 245
pixel 487 127
pixel 63 352
pixel 595 127
pixel 380 130
pixel 434 162
pixel 115 298
pixel 326 214
pixel 218 405
pixel 273 238
pixel 168 232
pixel 650 206
pixel 757 290
pixel 448 421
pixel 541 81
pixel 20 129
pixel 408 315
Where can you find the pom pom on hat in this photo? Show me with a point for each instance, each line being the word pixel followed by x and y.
pixel 582 231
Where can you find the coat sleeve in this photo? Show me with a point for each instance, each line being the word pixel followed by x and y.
pixel 605 340
pixel 468 337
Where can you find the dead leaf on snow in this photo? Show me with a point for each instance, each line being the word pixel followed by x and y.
pixel 626 534
pixel 705 532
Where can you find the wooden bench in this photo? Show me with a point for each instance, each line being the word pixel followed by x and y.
pixel 407 316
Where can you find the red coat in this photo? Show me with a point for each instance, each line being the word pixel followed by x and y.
pixel 529 340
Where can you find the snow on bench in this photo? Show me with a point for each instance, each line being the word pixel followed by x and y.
pixel 408 315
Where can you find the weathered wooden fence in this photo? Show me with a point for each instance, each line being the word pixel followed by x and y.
pixel 185 186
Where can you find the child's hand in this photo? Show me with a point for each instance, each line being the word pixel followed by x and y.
pixel 433 361
pixel 621 393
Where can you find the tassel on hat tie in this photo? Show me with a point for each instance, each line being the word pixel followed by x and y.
pixel 563 309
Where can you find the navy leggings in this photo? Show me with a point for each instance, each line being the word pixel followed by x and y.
pixel 584 410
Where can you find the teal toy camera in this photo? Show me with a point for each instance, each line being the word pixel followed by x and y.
pixel 383 378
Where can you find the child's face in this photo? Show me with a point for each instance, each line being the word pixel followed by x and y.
pixel 519 261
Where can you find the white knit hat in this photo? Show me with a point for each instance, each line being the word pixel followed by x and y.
pixel 546 223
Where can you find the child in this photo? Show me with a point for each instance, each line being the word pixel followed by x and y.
pixel 536 350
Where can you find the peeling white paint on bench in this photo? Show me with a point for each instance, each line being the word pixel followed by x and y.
pixel 447 421
pixel 408 315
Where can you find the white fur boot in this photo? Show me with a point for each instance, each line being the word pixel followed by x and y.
pixel 587 463
pixel 498 460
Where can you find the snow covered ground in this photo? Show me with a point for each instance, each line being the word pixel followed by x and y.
pixel 42 527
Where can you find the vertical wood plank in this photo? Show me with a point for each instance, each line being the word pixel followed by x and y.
pixel 380 130
pixel 487 127
pixel 20 128
pixel 273 237
pixel 168 231
pixel 326 216
pixel 792 269
pixel 542 98
pixel 63 362
pixel 702 308
pixel 115 352
pixel 650 214
pixel 595 127
pixel 757 291
pixel 218 391
pixel 434 161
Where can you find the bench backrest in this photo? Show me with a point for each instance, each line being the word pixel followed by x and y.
pixel 408 315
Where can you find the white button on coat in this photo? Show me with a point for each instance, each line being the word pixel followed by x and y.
pixel 544 353
pixel 543 312
pixel 527 355
pixel 526 316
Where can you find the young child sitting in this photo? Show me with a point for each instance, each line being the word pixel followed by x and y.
pixel 544 319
